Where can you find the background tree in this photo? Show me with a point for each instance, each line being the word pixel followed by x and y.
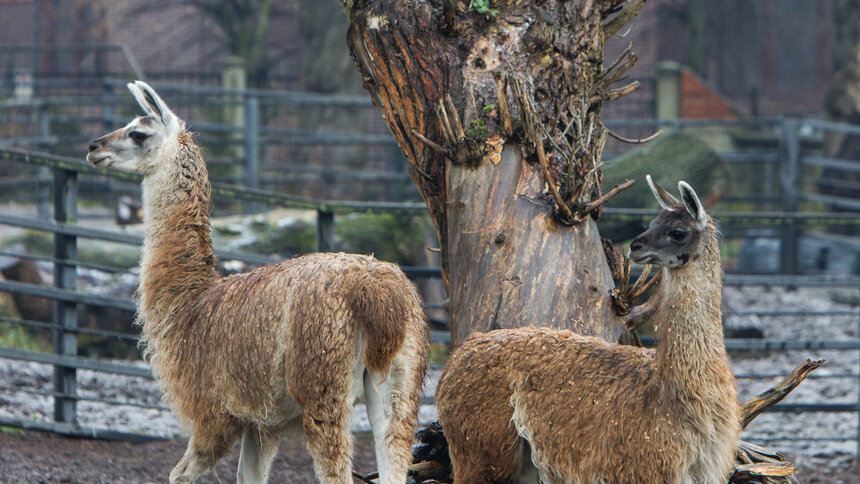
pixel 245 26
pixel 496 105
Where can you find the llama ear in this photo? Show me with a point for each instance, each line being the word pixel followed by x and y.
pixel 665 198
pixel 150 101
pixel 693 205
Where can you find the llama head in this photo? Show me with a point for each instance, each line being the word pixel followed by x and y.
pixel 674 238
pixel 139 145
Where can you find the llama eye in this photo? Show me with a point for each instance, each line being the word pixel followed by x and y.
pixel 677 234
pixel 137 136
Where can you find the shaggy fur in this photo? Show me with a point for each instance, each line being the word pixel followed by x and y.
pixel 289 346
pixel 588 411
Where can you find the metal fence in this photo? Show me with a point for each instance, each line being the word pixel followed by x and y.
pixel 293 142
pixel 269 139
pixel 66 299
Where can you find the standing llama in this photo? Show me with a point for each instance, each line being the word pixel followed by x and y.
pixel 586 411
pixel 287 347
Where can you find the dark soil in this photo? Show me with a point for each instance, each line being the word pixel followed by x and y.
pixel 40 457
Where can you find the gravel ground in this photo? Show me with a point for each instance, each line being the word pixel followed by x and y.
pixel 56 459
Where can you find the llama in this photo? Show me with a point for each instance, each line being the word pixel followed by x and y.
pixel 286 348
pixel 532 404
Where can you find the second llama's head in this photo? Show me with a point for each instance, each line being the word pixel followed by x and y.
pixel 674 238
pixel 139 146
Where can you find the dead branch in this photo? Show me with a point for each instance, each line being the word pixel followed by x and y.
pixel 532 130
pixel 610 78
pixel 641 286
pixel 633 141
pixel 620 92
pixel 749 453
pixel 447 131
pixel 761 472
pixel 562 207
pixel 429 142
pixel 754 407
pixel 627 50
pixel 616 24
pixel 607 196
pixel 586 9
pixel 642 313
pixel 502 104
pixel 454 117
pixel 368 478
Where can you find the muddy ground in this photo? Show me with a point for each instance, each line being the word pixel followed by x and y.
pixel 40 457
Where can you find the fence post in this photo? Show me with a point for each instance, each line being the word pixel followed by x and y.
pixel 65 315
pixel 107 126
pixel 789 175
pixel 252 144
pixel 43 188
pixel 325 231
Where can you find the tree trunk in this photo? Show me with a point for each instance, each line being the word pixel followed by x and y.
pixel 512 264
pixel 496 105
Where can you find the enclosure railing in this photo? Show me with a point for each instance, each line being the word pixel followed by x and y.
pixel 251 138
pixel 66 298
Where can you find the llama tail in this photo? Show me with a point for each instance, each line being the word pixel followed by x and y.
pixel 381 300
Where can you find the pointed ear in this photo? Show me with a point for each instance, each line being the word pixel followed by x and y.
pixel 150 101
pixel 665 198
pixel 694 206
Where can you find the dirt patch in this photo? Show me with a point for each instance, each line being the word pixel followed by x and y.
pixel 39 457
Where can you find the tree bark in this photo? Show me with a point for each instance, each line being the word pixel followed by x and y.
pixel 497 109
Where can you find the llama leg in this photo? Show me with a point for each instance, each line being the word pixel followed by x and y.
pixel 206 447
pixel 330 443
pixel 392 409
pixel 255 458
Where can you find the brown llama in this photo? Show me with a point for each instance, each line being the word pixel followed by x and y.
pixel 286 348
pixel 532 404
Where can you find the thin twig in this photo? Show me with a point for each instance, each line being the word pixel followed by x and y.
pixel 608 196
pixel 646 286
pixel 763 470
pixel 586 9
pixel 610 78
pixel 365 478
pixel 621 57
pixel 754 407
pixel 454 117
pixel 613 26
pixel 614 94
pixel 430 143
pixel 633 141
pixel 446 123
pixel 530 125
pixel 562 207
pixel 502 104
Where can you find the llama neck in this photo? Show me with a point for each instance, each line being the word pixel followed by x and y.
pixel 178 260
pixel 690 347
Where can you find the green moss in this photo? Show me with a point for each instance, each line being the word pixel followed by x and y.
pixel 483 7
pixel 17 337
pixel 91 251
pixel 295 238
pixel 439 353
pixel 390 237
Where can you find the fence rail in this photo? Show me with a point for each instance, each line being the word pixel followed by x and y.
pixel 789 166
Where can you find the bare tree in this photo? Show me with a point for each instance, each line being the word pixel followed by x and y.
pixel 245 26
pixel 496 106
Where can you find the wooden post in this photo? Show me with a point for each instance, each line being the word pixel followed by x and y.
pixel 789 176
pixel 252 144
pixel 43 188
pixel 65 313
pixel 325 231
